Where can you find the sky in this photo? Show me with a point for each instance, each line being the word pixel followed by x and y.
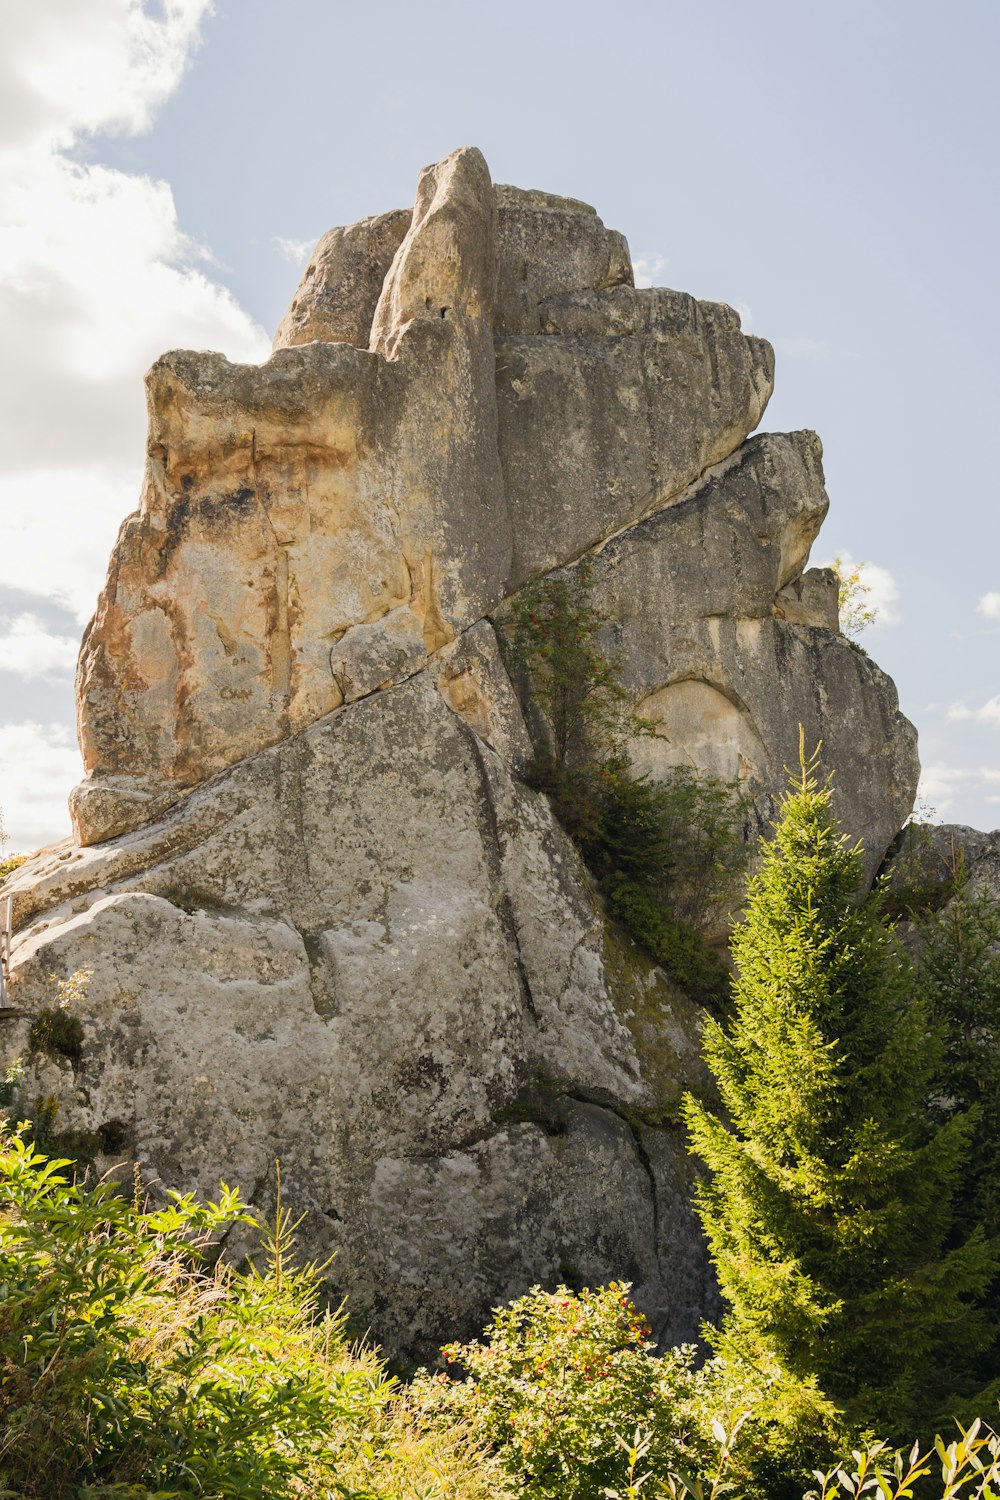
pixel 829 170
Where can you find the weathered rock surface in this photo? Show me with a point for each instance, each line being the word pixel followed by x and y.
pixel 370 951
pixel 929 854
pixel 712 657
pixel 338 488
pixel 326 919
pixel 343 283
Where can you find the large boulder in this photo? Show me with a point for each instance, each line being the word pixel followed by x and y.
pixel 324 917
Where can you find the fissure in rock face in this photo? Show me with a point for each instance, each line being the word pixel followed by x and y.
pixel 327 921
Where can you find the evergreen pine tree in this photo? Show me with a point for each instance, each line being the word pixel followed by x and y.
pixel 958 968
pixel 829 1202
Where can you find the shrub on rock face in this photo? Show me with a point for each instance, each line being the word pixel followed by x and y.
pixel 664 852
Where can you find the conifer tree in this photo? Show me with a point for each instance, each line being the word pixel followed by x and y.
pixel 829 1201
pixel 958 968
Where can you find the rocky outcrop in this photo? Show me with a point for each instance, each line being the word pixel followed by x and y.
pixel 400 490
pixel 928 856
pixel 326 920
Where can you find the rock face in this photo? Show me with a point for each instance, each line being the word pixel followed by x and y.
pixel 326 919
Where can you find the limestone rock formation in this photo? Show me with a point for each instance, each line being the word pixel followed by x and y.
pixel 326 919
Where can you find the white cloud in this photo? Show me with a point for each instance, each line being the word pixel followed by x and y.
pixel 103 65
pixel 746 315
pixel 39 763
pixel 649 267
pixel 880 589
pixel 942 786
pixel 96 279
pixel 938 788
pixel 987 713
pixel 989 605
pixel 28 649
pixel 296 252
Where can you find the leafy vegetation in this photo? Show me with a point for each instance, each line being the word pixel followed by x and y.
pixel 128 1367
pixel 852 1209
pixel 832 1205
pixel 857 611
pixel 557 1379
pixel 664 852
pixel 56 1029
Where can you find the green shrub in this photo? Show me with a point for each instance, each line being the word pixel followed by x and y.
pixel 127 1367
pixel 58 1033
pixel 969 1468
pixel 681 836
pixel 56 1030
pixel 575 687
pixel 680 950
pixel 10 1083
pixel 664 852
pixel 11 862
pixel 558 1378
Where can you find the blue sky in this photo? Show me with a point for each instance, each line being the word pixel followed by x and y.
pixel 829 169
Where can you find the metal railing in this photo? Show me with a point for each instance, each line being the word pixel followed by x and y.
pixel 6 926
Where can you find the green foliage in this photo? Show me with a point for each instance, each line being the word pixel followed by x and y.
pixel 958 969
pixel 921 878
pixel 570 1393
pixel 786 1425
pixel 10 1082
pixel 829 1207
pixel 664 852
pixel 130 1369
pixel 556 1381
pixel 56 1030
pixel 58 1033
pixel 969 1468
pixel 576 687
pixel 910 902
pixel 13 861
pixel 127 1368
pixel 854 598
pixel 680 950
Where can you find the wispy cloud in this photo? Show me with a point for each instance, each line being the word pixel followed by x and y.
pixel 97 278
pixel 987 713
pixel 938 787
pixel 649 267
pixel 941 786
pixel 296 252
pixel 989 606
